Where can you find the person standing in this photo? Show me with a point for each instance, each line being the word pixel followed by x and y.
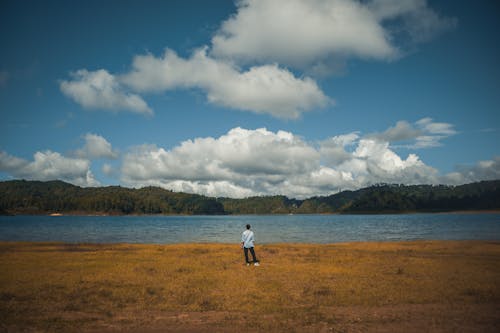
pixel 247 243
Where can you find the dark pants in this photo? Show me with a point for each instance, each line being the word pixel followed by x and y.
pixel 252 251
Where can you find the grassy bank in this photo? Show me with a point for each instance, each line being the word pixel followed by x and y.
pixel 410 286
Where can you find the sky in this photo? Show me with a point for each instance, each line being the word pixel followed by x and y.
pixel 241 98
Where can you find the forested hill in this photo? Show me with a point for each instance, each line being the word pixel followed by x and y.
pixel 35 197
pixel 382 198
pixel 416 198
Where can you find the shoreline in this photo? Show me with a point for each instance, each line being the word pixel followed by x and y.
pixel 97 214
pixel 415 242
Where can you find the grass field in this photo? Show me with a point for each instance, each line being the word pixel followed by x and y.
pixel 350 287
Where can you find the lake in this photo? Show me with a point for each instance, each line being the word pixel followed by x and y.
pixel 268 228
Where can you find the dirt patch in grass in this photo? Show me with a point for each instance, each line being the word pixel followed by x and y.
pixel 350 287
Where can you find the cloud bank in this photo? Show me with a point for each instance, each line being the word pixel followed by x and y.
pixel 246 162
pixel 260 162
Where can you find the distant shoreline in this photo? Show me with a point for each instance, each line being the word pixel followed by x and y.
pixel 97 214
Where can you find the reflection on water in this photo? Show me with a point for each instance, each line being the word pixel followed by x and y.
pixel 268 229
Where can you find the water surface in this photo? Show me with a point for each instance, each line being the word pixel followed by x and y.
pixel 268 228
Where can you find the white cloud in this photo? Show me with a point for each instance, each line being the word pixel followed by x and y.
pixel 433 133
pixel 483 170
pixel 333 150
pixel 260 153
pixel 244 162
pixel 425 133
pixel 100 90
pixel 299 32
pixel 212 188
pixel 247 66
pixel 380 164
pixel 96 147
pixel 265 89
pixel 259 162
pixel 48 165
pixel 240 163
pixel 10 163
pixel 109 170
pixel 428 125
pixel 305 33
pixel 401 132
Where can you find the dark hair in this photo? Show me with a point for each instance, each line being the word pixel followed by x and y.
pixel 248 226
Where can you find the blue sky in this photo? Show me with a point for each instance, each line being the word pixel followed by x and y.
pixel 299 98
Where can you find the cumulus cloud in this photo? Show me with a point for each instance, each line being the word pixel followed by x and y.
pixel 267 156
pixel 247 65
pixel 48 165
pixel 376 161
pixel 100 90
pixel 333 150
pixel 303 33
pixel 245 162
pixel 265 89
pixel 298 33
pixel 96 147
pixel 260 162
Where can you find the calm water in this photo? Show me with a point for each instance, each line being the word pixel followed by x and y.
pixel 268 229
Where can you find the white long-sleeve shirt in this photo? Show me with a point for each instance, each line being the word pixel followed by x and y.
pixel 247 238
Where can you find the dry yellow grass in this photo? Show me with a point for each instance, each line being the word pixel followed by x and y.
pixel 409 286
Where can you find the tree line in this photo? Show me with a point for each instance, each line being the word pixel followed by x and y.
pixel 35 197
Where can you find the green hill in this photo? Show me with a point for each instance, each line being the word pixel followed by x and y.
pixel 382 198
pixel 425 198
pixel 35 197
